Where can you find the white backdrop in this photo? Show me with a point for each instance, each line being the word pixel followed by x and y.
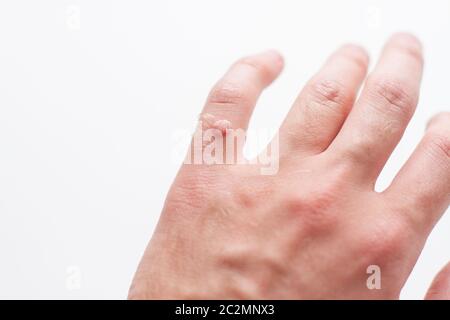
pixel 91 92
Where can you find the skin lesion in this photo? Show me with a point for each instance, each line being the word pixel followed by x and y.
pixel 209 121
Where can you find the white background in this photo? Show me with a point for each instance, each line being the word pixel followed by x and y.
pixel 92 91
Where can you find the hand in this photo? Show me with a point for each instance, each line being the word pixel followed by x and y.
pixel 315 227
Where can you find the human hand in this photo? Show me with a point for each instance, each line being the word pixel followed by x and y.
pixel 315 228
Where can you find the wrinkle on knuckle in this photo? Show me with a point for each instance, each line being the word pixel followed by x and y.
pixel 326 93
pixel 228 94
pixel 441 143
pixel 438 145
pixel 393 97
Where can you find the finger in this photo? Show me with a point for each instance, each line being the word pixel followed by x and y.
pixel 423 183
pixel 322 106
pixel 231 101
pixel 440 288
pixel 380 116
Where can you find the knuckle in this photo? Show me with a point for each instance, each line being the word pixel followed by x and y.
pixel 359 150
pixel 227 93
pixel 391 243
pixel 393 96
pixel 437 145
pixel 385 240
pixel 326 93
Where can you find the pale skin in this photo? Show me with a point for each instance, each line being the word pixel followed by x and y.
pixel 311 230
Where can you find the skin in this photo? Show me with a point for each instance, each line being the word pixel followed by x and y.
pixel 311 230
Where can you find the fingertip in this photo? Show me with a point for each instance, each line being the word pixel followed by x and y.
pixel 271 61
pixel 407 38
pixel 355 49
pixel 267 64
pixel 407 43
pixel 274 54
pixel 276 59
